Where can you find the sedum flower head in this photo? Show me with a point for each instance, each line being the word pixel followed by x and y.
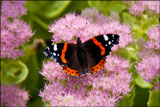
pixel 139 7
pixel 86 27
pixel 13 8
pixel 13 96
pixel 149 66
pixel 104 88
pixel 14 32
pixel 52 70
pixel 154 36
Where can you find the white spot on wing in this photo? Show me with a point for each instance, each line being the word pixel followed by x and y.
pixel 54 54
pixel 106 45
pixel 45 53
pixel 105 37
pixel 109 42
pixel 113 35
pixel 55 47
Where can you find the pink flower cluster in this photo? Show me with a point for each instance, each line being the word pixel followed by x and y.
pixel 149 66
pixel 104 88
pixel 13 9
pixel 13 96
pixel 139 7
pixel 154 36
pixel 14 32
pixel 52 70
pixel 87 26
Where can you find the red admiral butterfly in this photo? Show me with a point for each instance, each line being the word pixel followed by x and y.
pixel 82 58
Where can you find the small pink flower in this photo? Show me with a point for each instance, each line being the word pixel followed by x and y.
pixel 13 8
pixel 14 32
pixel 106 86
pixel 154 36
pixel 13 35
pixel 13 96
pixel 115 63
pixel 94 16
pixel 139 7
pixel 149 66
pixel 52 70
pixel 86 27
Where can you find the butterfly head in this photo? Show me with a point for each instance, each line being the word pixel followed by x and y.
pixel 79 42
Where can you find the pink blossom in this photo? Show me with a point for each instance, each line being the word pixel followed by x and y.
pixel 72 26
pixel 13 8
pixel 94 16
pixel 139 7
pixel 106 87
pixel 14 32
pixel 154 36
pixel 13 35
pixel 69 27
pixel 112 63
pixel 13 96
pixel 149 66
pixel 52 71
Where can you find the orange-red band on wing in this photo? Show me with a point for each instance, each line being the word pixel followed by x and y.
pixel 71 72
pixel 63 53
pixel 95 41
pixel 98 66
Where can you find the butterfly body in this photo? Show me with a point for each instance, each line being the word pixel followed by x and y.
pixel 81 58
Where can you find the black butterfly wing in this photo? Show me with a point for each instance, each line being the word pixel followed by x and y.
pixel 98 48
pixel 65 55
pixel 60 52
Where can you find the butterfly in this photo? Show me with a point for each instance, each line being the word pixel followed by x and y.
pixel 81 58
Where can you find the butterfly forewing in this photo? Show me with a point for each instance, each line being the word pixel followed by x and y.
pixel 101 45
pixel 60 52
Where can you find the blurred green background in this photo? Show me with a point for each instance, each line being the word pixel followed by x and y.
pixel 43 13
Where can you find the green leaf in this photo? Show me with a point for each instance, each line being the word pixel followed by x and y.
pixel 118 7
pixel 41 22
pixel 36 103
pixel 140 82
pixel 100 5
pixel 154 98
pixel 108 6
pixel 13 72
pixel 46 9
pixel 128 100
pixel 128 53
pixel 127 18
pixel 56 8
pixel 31 61
pixel 76 6
pixel 141 97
